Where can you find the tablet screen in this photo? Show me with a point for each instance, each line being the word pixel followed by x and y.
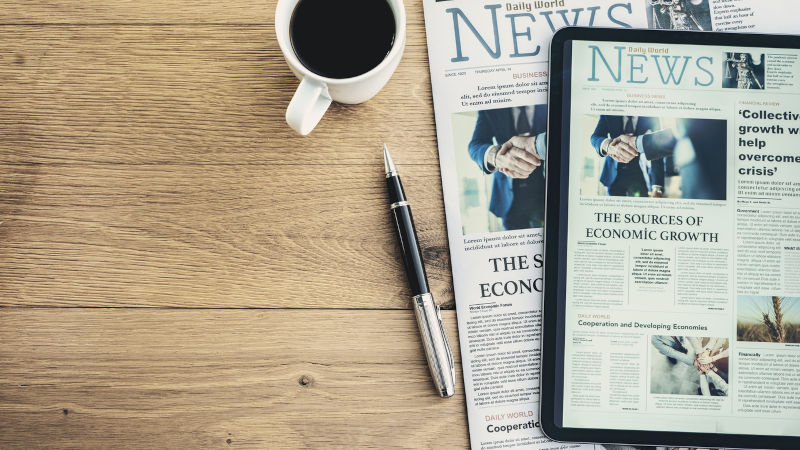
pixel 682 294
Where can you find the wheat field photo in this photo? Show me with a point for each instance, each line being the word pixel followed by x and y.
pixel 768 319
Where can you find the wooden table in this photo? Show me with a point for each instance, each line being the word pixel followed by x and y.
pixel 177 267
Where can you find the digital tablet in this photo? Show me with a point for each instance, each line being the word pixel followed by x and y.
pixel 672 239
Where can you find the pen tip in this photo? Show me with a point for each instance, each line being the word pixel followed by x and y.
pixel 387 160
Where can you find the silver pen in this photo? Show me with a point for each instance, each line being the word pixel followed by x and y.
pixel 429 319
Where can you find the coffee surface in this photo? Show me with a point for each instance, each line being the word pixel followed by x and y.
pixel 342 38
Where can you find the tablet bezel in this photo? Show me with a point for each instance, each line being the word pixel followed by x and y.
pixel 555 234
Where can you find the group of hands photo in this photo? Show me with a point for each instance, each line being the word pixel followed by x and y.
pixel 707 355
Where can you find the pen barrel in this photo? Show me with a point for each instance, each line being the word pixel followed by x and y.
pixel 412 253
pixel 396 193
pixel 434 340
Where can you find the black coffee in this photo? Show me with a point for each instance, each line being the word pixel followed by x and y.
pixel 342 38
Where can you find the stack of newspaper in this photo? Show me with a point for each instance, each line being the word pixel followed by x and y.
pixel 489 74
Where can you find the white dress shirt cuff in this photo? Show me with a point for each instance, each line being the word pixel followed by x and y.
pixel 639 145
pixel 604 146
pixel 489 158
pixel 540 144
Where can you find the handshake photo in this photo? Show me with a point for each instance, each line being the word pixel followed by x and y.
pixel 518 157
pixel 656 157
pixel 508 145
pixel 623 148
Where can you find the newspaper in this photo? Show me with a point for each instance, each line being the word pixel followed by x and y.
pixel 489 75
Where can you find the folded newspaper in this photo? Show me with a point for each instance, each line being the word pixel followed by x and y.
pixel 489 75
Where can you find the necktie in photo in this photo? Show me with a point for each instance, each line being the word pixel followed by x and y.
pixel 523 124
pixel 628 129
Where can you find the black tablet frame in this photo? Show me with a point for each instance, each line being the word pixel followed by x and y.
pixel 555 238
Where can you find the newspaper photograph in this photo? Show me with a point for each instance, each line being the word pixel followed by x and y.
pixel 489 76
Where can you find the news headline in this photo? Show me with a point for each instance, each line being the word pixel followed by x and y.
pixel 515 286
pixel 755 137
pixel 647 233
pixel 656 326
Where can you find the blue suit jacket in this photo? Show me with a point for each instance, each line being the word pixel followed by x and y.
pixel 611 127
pixel 704 176
pixel 499 124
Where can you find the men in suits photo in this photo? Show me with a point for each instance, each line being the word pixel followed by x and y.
pixel 510 144
pixel 624 172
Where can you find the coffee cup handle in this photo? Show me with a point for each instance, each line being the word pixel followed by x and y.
pixel 308 104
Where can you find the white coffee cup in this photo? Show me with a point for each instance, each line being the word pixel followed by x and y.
pixel 314 95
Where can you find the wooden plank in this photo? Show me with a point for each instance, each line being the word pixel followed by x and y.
pixel 125 12
pixel 213 236
pixel 190 94
pixel 94 378
pixel 94 12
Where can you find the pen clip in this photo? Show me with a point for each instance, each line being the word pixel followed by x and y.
pixel 446 342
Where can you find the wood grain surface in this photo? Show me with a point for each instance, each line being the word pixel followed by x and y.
pixel 99 378
pixel 190 94
pixel 177 267
pixel 154 160
pixel 212 236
